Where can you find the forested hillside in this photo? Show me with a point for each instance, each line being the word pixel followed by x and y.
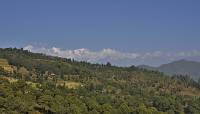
pixel 180 67
pixel 38 84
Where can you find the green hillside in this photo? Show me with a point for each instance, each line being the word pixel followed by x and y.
pixel 51 85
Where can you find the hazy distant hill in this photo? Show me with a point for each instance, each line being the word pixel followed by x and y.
pixel 183 67
pixel 147 67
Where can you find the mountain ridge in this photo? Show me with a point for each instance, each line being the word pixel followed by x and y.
pixel 179 67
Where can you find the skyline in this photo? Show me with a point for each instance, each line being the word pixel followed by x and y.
pixel 116 57
pixel 120 28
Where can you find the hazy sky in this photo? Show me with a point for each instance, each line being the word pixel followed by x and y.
pixel 126 27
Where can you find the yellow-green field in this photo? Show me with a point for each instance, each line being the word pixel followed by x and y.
pixel 4 64
pixel 9 79
pixel 69 84
pixel 190 92
pixel 34 85
pixel 14 80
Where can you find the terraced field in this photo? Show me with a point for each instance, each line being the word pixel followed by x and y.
pixel 69 84
pixel 4 64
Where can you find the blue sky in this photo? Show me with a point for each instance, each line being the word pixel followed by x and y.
pixel 127 26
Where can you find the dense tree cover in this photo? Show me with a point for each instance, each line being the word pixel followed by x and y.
pixel 104 89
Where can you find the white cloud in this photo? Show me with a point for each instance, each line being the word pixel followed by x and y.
pixel 84 54
pixel 28 47
pixel 114 56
